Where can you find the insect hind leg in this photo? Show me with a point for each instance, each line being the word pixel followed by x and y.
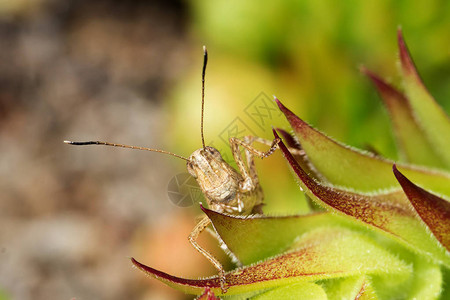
pixel 198 229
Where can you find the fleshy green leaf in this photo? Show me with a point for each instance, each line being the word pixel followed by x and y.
pixel 433 120
pixel 351 168
pixel 301 290
pixel 367 292
pixel 433 210
pixel 411 140
pixel 427 281
pixel 357 287
pixel 445 292
pixel 254 238
pixel 389 212
pixel 323 253
pixel 300 156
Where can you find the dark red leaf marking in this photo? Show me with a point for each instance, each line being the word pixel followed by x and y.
pixel 213 282
pixel 433 210
pixel 373 210
pixel 290 140
pixel 295 121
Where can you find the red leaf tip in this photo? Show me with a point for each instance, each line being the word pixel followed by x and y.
pixel 280 105
pixel 401 42
pixel 405 58
pixel 363 69
pixel 400 177
pixel 380 83
pixel 399 31
pixel 275 133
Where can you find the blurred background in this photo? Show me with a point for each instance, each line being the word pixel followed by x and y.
pixel 129 72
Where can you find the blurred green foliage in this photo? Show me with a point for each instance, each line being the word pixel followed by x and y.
pixel 3 295
pixel 307 53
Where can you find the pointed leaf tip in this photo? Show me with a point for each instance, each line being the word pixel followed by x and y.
pixel 283 108
pixel 348 167
pixel 405 57
pixel 417 150
pixel 150 271
pixel 289 139
pixel 275 133
pixel 431 117
pixel 387 92
pixel 296 122
pixel 189 286
pixel 433 210
pixel 278 102
pixel 388 212
pixel 394 168
pixel 322 253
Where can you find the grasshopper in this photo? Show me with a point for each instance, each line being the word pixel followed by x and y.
pixel 225 189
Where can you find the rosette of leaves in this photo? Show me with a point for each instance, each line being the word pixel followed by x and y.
pixel 377 229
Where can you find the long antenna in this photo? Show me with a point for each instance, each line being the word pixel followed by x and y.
pixel 205 61
pixel 123 146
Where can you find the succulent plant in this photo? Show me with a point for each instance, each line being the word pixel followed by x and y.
pixel 378 229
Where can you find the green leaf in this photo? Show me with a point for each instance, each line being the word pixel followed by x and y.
pixel 358 287
pixel 323 253
pixel 389 213
pixel 301 290
pixel 427 281
pixel 4 295
pixel 300 156
pixel 412 142
pixel 253 238
pixel 433 210
pixel 366 293
pixel 433 120
pixel 354 169
pixel 445 292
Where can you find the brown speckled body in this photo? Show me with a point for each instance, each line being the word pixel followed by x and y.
pixel 224 188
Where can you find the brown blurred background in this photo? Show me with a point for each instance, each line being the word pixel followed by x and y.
pixel 129 72
pixel 71 217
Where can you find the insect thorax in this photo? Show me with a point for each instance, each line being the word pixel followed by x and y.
pixel 221 183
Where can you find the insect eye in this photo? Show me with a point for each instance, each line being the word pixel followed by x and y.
pixel 214 152
pixel 190 168
pixel 190 165
pixel 210 150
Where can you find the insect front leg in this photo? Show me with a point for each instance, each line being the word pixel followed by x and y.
pixel 249 173
pixel 295 150
pixel 199 228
